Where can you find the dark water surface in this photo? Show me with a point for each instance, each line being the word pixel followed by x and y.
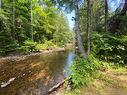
pixel 34 75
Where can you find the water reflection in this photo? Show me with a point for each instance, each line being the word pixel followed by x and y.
pixel 36 74
pixel 68 63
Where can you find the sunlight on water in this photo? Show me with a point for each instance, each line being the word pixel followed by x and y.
pixel 34 75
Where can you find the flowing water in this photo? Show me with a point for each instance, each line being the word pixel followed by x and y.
pixel 35 75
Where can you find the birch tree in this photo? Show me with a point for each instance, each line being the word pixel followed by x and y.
pixel 77 29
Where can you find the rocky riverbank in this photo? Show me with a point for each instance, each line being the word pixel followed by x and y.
pixel 20 57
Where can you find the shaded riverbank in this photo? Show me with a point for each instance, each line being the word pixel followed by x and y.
pixel 19 57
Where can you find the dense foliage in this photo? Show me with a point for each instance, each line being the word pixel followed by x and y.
pixel 84 70
pixel 110 47
pixel 108 38
pixel 25 24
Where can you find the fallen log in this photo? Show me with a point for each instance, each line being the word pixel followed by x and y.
pixel 5 84
pixel 54 88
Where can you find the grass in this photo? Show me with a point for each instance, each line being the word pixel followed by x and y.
pixel 112 81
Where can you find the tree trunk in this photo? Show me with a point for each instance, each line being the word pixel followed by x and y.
pixel 77 29
pixel 88 26
pixel 0 4
pixel 13 16
pixel 31 8
pixel 13 20
pixel 106 15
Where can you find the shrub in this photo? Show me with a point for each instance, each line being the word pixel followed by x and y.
pixel 83 70
pixel 110 47
pixel 46 45
pixel 28 46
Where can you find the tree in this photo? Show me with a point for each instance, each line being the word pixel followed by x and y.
pixel 88 26
pixel 6 42
pixel 13 20
pixel 31 8
pixel 0 3
pixel 106 15
pixel 25 20
pixel 77 29
pixel 74 5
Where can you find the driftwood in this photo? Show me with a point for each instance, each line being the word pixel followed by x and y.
pixel 5 84
pixel 57 86
pixel 54 88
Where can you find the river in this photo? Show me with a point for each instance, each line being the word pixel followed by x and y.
pixel 34 75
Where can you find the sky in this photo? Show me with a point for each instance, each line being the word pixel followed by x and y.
pixel 69 17
pixel 115 4
pixel 112 7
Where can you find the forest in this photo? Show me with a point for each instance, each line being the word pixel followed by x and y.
pixel 31 25
pixel 90 59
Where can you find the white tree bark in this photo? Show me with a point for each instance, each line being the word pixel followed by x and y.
pixel 77 29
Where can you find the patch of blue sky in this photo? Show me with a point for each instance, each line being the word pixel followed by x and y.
pixel 69 17
pixel 113 5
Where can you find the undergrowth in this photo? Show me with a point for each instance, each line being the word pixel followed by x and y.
pixel 83 70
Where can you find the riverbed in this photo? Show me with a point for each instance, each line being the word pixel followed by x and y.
pixel 34 75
